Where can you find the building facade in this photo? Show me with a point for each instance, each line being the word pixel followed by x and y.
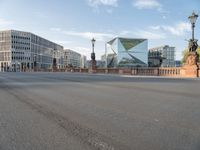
pixel 23 50
pixel 126 53
pixel 83 61
pixel 74 59
pixel 99 64
pixel 163 56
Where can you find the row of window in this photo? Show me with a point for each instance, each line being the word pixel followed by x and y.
pixel 22 53
pixel 17 42
pixel 5 58
pixel 20 47
pixel 21 58
pixel 20 37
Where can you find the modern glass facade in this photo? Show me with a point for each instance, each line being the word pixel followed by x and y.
pixel 163 56
pixel 23 50
pixel 126 52
pixel 72 59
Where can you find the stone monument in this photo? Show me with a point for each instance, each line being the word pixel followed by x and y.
pixel 191 67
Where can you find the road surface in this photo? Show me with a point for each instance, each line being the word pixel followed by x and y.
pixel 64 111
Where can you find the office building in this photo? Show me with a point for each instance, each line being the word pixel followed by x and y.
pixel 83 61
pixel 126 53
pixel 25 51
pixel 74 59
pixel 163 56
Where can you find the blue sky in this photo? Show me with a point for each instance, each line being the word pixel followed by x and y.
pixel 72 23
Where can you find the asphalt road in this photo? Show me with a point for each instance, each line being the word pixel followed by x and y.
pixel 63 111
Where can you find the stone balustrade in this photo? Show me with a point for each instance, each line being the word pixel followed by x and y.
pixel 140 71
pixel 176 71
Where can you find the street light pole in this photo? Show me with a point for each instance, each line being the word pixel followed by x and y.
pixel 193 42
pixel 191 67
pixel 193 19
pixel 93 55
pixel 193 26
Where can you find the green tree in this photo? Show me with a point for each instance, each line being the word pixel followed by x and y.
pixel 186 52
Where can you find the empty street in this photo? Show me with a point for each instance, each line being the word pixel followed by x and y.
pixel 71 111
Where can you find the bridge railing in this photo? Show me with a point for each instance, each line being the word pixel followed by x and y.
pixel 140 71
pixel 170 71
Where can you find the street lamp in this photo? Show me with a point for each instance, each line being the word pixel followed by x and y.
pixel 193 42
pixel 193 19
pixel 93 54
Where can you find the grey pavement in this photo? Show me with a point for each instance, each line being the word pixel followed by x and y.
pixel 71 111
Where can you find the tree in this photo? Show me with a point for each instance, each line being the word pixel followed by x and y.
pixel 186 52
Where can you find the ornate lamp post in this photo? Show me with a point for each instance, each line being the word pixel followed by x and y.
pixel 93 61
pixel 193 19
pixel 193 42
pixel 191 67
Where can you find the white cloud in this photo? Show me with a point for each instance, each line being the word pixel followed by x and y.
pixel 125 32
pixel 155 27
pixel 4 22
pixel 55 29
pixel 150 35
pixel 87 35
pixel 139 33
pixel 90 35
pixel 178 29
pixel 96 3
pixel 83 50
pixel 147 4
pixel 62 42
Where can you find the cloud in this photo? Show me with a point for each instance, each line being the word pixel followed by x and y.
pixel 62 42
pixel 147 4
pixel 155 27
pixel 139 33
pixel 178 29
pixel 55 29
pixel 83 50
pixel 150 35
pixel 90 35
pixel 97 3
pixel 87 35
pixel 4 22
pixel 125 32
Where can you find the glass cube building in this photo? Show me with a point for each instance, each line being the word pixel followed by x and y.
pixel 126 53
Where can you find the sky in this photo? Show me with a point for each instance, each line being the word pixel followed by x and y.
pixel 73 23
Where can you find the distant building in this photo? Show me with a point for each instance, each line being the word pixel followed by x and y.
pixel 74 59
pixel 23 50
pixel 110 60
pixel 83 61
pixel 99 64
pixel 126 53
pixel 163 56
pixel 178 63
